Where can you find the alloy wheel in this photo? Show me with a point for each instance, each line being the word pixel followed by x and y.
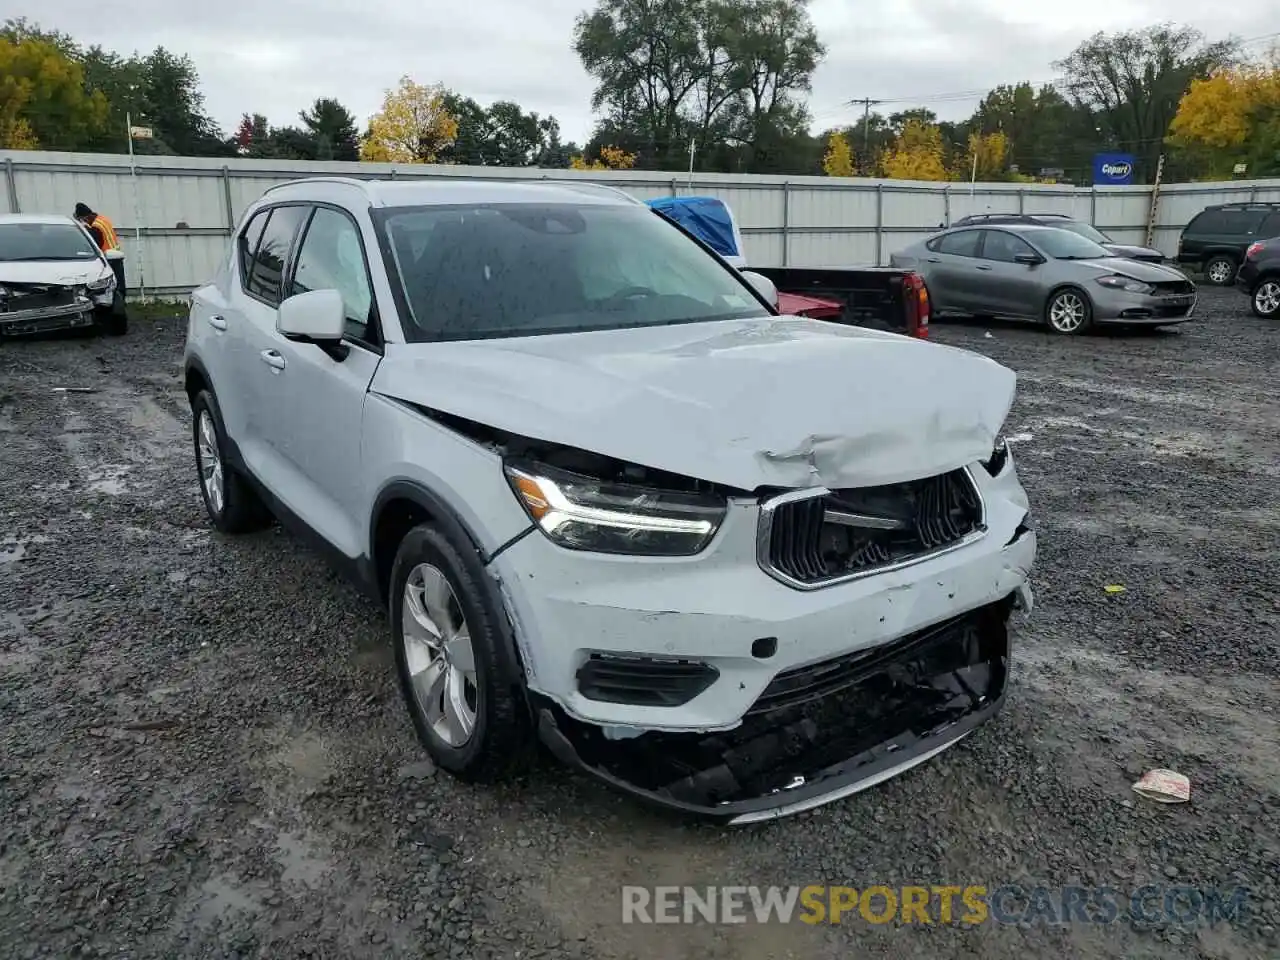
pixel 1067 312
pixel 439 655
pixel 1220 271
pixel 1266 299
pixel 210 463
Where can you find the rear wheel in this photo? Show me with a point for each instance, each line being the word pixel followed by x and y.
pixel 230 502
pixel 1220 270
pixel 1068 312
pixel 1266 298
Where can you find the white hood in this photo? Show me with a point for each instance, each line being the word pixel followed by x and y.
pixel 780 402
pixel 53 271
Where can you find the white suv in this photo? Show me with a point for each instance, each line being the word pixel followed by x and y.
pixel 735 563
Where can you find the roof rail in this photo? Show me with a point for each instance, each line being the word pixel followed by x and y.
pixel 591 185
pixel 349 181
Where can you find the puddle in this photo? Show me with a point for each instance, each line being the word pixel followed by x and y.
pixel 108 479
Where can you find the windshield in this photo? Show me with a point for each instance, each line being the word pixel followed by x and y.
pixel 1065 245
pixel 1082 229
pixel 518 270
pixel 44 241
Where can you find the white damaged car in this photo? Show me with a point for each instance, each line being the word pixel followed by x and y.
pixel 734 563
pixel 54 277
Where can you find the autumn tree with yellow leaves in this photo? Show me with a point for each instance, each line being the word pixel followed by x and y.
pixel 610 158
pixel 413 126
pixel 1230 117
pixel 43 101
pixel 917 153
pixel 838 161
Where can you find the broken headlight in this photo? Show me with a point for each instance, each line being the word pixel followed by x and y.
pixel 102 285
pixel 583 513
pixel 999 458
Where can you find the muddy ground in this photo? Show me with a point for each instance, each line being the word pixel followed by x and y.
pixel 203 752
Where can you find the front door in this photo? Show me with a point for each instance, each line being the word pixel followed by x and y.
pixel 1011 289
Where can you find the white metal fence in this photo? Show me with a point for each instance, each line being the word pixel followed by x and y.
pixel 175 215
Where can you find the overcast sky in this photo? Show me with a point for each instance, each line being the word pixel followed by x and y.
pixel 275 58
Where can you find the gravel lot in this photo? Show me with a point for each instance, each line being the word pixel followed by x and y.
pixel 203 752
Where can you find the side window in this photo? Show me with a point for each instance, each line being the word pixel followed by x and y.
pixel 1003 247
pixel 962 244
pixel 248 242
pixel 273 252
pixel 1209 221
pixel 1270 227
pixel 332 258
pixel 1243 221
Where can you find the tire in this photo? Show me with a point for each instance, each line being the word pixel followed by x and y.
pixel 230 501
pixel 485 734
pixel 1220 271
pixel 1264 299
pixel 1068 312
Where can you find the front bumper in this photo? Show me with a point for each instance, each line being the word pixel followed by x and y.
pixel 1120 306
pixel 818 734
pixel 79 313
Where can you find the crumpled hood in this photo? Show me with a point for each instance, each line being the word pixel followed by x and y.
pixel 1136 269
pixel 1128 250
pixel 782 401
pixel 52 271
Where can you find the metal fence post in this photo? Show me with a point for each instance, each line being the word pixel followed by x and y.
pixel 674 191
pixel 12 186
pixel 879 221
pixel 393 173
pixel 1022 199
pixel 786 219
pixel 226 200
pixel 1093 206
pixel 946 205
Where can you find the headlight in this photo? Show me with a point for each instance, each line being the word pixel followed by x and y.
pixel 1127 284
pixel 582 513
pixel 103 285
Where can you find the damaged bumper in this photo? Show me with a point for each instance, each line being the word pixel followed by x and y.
pixel 71 312
pixel 818 733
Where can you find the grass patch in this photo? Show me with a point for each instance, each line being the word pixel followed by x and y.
pixel 155 309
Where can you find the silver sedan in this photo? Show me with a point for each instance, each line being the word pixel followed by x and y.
pixel 1047 275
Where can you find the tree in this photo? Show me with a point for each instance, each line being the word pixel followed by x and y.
pixel 917 153
pixel 1132 82
pixel 1230 117
pixel 990 151
pixel 610 158
pixel 332 129
pixel 413 126
pixel 838 161
pixel 502 135
pixel 43 100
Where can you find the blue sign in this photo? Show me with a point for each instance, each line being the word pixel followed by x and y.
pixel 1112 169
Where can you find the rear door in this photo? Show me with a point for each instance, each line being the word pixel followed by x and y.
pixel 950 269
pixel 1270 228
pixel 1008 288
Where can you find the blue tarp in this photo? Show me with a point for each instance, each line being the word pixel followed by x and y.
pixel 706 218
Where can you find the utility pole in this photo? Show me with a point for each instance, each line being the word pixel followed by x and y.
pixel 867 104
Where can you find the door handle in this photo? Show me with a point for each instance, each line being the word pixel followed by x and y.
pixel 273 359
pixel 217 322
pixel 983 266
pixel 933 259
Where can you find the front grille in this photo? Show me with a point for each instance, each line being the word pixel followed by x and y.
pixel 1174 288
pixel 857 531
pixel 643 681
pixel 39 297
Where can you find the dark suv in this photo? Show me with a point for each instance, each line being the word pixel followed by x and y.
pixel 1064 222
pixel 1218 236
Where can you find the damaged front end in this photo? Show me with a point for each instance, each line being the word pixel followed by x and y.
pixel 34 308
pixel 818 732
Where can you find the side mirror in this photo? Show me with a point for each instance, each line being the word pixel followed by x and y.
pixel 1029 259
pixel 763 286
pixel 317 316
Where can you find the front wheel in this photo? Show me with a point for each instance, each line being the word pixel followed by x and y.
pixel 1220 270
pixel 1068 312
pixel 463 694
pixel 1266 299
